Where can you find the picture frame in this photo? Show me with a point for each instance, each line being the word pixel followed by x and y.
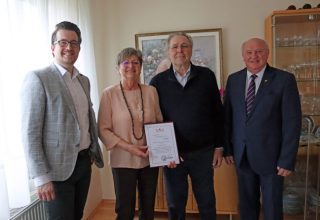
pixel 207 51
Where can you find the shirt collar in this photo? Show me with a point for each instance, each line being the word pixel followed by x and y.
pixel 178 75
pixel 63 71
pixel 258 74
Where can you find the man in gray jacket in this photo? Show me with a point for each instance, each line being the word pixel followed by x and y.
pixel 59 128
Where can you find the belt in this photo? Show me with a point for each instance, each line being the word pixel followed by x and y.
pixel 84 152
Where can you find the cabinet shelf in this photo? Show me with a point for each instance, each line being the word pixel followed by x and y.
pixel 308 80
pixel 313 143
pixel 311 46
pixel 313 114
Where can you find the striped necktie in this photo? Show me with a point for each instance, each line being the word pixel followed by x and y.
pixel 251 93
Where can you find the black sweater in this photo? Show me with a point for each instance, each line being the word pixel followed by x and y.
pixel 195 110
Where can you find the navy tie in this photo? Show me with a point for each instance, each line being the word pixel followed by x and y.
pixel 251 93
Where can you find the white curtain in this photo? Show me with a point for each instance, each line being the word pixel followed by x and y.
pixel 25 45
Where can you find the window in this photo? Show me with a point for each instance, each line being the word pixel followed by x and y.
pixel 25 45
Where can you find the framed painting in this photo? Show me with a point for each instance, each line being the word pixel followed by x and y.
pixel 207 51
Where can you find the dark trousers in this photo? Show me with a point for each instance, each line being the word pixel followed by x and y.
pixel 71 194
pixel 198 165
pixel 126 181
pixel 251 185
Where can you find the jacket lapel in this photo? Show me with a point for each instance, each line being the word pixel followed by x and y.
pixel 85 86
pixel 64 91
pixel 242 91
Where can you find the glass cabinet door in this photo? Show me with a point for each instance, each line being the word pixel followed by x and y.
pixel 294 41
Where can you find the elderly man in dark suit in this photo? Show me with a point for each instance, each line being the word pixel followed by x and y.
pixel 262 128
pixel 59 128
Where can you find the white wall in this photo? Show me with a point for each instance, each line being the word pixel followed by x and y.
pixel 117 21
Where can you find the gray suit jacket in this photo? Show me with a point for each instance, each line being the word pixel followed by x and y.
pixel 50 128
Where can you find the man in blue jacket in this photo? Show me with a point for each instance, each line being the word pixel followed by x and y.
pixel 262 128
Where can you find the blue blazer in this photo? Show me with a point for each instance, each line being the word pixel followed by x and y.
pixel 270 134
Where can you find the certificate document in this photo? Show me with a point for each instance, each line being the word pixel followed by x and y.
pixel 162 145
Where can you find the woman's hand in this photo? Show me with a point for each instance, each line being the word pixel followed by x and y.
pixel 138 150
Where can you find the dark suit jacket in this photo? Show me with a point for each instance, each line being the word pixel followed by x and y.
pixel 270 134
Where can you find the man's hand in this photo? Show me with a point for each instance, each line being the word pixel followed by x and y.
pixel 283 172
pixel 229 160
pixel 172 164
pixel 217 157
pixel 46 192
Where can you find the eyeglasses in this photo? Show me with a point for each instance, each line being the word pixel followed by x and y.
pixel 253 52
pixel 182 46
pixel 65 43
pixel 127 63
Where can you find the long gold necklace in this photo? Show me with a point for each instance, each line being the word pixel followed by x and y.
pixel 130 113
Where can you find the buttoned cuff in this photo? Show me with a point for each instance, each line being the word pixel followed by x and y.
pixel 41 180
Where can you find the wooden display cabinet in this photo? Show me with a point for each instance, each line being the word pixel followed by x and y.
pixel 225 183
pixel 294 40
